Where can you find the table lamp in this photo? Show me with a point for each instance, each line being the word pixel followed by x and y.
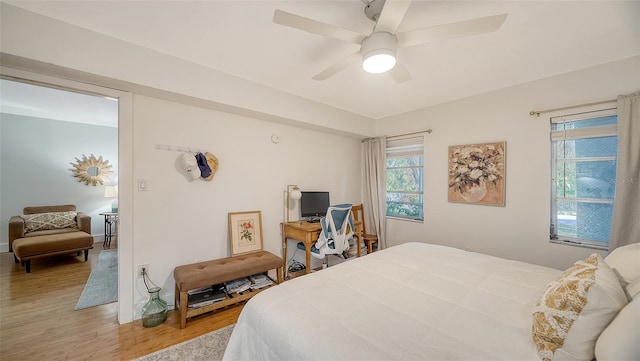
pixel 293 193
pixel 111 191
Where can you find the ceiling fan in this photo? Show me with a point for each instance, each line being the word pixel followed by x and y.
pixel 378 49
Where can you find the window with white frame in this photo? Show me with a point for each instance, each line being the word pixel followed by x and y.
pixel 584 149
pixel 405 177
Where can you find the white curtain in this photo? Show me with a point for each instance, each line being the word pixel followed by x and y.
pixel 375 187
pixel 625 226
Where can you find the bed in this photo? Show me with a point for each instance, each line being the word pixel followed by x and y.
pixel 414 301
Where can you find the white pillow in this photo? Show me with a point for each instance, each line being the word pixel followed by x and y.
pixel 633 289
pixel 620 340
pixel 574 309
pixel 625 261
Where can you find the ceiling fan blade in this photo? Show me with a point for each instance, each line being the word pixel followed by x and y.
pixel 316 27
pixel 335 68
pixel 400 73
pixel 392 15
pixel 449 31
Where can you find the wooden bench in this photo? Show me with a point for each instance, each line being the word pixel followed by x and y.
pixel 208 273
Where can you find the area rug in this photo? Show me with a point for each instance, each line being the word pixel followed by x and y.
pixel 210 347
pixel 102 285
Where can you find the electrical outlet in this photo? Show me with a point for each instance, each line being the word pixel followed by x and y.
pixel 140 267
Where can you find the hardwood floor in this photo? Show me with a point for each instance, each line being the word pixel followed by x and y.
pixel 38 320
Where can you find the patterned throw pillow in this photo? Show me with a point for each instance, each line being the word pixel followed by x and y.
pixel 574 309
pixel 50 220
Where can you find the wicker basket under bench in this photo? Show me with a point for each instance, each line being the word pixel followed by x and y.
pixel 203 274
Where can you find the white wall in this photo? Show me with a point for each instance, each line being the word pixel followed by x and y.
pixel 520 230
pixel 178 222
pixel 35 159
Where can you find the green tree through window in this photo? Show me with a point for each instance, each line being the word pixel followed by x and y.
pixel 405 178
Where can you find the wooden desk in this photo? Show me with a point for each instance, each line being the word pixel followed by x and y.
pixel 308 233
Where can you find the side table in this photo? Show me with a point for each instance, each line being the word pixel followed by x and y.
pixel 110 219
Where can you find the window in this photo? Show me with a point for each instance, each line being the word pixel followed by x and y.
pixel 405 178
pixel 584 148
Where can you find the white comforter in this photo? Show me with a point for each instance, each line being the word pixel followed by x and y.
pixel 415 301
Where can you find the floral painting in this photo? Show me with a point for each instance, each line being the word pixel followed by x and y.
pixel 477 173
pixel 245 232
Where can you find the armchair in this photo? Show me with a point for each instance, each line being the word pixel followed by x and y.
pixel 49 230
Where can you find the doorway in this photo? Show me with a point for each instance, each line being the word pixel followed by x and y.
pixel 122 160
pixel 58 147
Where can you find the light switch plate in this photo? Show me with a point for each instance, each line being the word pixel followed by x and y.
pixel 143 185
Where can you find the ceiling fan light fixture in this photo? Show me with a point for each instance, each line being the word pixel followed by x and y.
pixel 379 52
pixel 378 61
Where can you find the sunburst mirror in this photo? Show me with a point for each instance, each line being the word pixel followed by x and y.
pixel 91 170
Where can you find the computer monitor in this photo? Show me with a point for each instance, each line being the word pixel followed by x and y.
pixel 314 204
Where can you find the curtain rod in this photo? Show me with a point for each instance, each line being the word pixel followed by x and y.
pixel 537 112
pixel 404 135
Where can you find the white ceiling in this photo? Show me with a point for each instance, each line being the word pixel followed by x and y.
pixel 42 102
pixel 538 39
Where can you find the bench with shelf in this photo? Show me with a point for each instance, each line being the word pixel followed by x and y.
pixel 203 274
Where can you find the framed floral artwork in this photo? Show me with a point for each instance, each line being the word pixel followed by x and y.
pixel 245 232
pixel 477 173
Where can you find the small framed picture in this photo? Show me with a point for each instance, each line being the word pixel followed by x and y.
pixel 245 232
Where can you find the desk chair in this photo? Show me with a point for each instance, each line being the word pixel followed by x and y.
pixel 337 230
pixel 369 239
